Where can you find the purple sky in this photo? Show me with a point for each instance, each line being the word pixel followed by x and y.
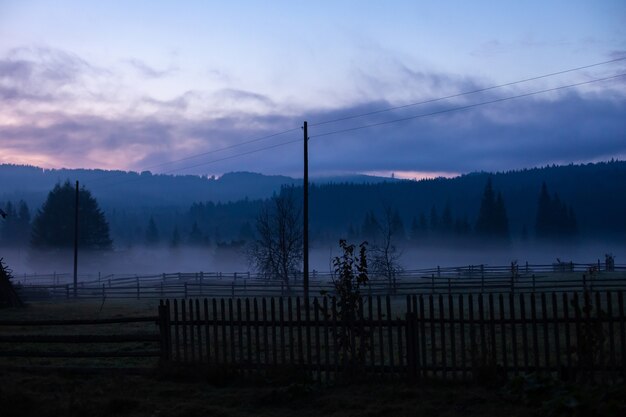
pixel 140 87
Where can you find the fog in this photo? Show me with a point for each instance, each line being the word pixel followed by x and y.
pixel 145 261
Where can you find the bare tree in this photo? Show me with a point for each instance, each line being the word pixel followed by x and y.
pixel 384 253
pixel 277 250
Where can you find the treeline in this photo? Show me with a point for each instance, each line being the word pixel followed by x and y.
pixel 584 201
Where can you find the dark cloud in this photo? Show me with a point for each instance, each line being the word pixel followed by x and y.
pixel 538 130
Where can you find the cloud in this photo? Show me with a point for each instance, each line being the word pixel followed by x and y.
pixel 41 74
pixel 576 126
pixel 147 71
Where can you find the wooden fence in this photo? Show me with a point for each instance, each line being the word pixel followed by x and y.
pixel 453 280
pixel 579 335
pixel 569 335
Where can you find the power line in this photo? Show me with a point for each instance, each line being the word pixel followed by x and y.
pixel 236 145
pixel 480 90
pixel 212 161
pixel 379 123
pixel 469 106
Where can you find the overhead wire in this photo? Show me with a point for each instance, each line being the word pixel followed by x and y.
pixel 469 106
pixel 480 90
pixel 459 108
pixel 212 161
pixel 212 151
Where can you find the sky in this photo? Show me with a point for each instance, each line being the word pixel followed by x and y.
pixel 208 87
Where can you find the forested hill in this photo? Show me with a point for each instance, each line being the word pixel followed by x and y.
pixel 121 189
pixel 594 193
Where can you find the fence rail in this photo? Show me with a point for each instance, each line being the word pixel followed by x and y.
pixel 469 279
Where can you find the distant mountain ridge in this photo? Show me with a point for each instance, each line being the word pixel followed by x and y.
pixel 134 189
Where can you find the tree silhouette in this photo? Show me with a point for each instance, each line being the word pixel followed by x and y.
pixel 492 219
pixel 53 225
pixel 152 233
pixel 278 249
pixel 554 218
pixel 196 238
pixel 175 240
pixel 371 226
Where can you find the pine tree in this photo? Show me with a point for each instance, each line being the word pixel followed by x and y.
pixel 446 219
pixel 415 231
pixel 175 241
pixel 23 226
pixel 195 236
pixel 492 219
pixel 484 224
pixel 397 226
pixel 371 227
pixel 555 220
pixel 53 225
pixel 543 222
pixel 500 220
pixel 152 233
pixel 434 220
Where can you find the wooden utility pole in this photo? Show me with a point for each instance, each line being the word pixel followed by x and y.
pixel 76 243
pixel 305 214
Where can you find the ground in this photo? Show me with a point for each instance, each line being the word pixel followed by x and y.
pixel 62 394
pixel 69 389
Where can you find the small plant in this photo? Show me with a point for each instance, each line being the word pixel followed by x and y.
pixel 352 339
pixel 8 295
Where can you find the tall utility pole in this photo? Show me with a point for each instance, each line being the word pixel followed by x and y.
pixel 76 243
pixel 305 212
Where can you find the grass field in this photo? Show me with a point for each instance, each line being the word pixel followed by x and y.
pixel 197 392
pixel 23 394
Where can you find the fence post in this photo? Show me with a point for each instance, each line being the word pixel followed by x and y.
pixel 482 272
pixel 103 292
pixel 432 283
pixel 185 285
pixel 67 290
pixel 533 283
pixel 138 290
pixel 438 272
pixel 232 285
pixel 584 282
pixel 512 283
pixel 164 332
pixel 410 349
